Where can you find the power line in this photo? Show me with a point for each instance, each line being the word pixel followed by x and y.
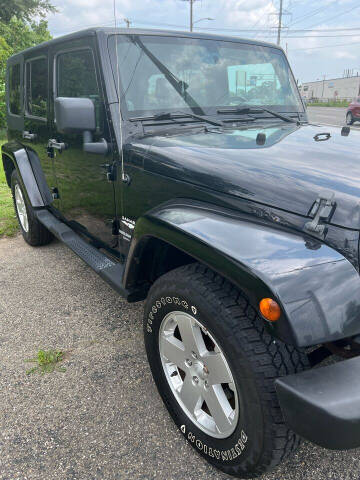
pixel 310 14
pixel 267 29
pixel 326 46
pixel 336 16
pixel 314 36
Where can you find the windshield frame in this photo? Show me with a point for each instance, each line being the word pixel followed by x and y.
pixel 204 110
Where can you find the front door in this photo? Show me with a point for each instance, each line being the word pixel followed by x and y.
pixel 86 197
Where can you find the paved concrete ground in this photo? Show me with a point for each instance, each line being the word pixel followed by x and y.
pixel 329 116
pixel 102 418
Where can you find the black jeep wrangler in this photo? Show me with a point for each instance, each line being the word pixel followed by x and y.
pixel 182 168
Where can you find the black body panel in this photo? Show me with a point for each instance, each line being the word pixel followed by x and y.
pixel 288 172
pixel 264 262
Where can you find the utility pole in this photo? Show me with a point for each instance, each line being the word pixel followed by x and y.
pixel 128 22
pixel 323 86
pixel 191 2
pixel 280 19
pixel 191 15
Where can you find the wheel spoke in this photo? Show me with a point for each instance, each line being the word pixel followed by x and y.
pixel 219 407
pixel 190 395
pixel 190 334
pixel 218 370
pixel 25 223
pixel 173 350
pixel 21 208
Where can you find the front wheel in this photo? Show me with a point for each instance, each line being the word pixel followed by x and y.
pixel 34 233
pixel 215 365
pixel 349 119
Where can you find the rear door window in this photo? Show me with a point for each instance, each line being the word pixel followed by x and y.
pixel 36 99
pixel 14 89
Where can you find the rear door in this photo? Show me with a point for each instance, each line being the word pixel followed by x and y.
pixel 37 120
pixel 86 198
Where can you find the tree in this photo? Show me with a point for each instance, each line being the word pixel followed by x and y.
pixel 4 53
pixel 16 35
pixel 20 35
pixel 24 10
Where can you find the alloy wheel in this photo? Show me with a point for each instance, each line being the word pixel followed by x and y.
pixel 198 374
pixel 21 208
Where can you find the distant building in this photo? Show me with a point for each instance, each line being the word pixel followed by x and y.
pixel 335 88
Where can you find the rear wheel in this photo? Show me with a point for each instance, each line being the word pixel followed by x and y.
pixel 32 230
pixel 349 119
pixel 215 364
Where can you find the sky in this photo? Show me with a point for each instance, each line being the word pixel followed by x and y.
pixel 323 41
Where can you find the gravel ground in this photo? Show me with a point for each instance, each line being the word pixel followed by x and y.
pixel 102 418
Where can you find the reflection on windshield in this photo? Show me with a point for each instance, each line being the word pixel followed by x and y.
pixel 214 73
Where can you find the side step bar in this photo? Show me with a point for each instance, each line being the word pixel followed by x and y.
pixel 112 272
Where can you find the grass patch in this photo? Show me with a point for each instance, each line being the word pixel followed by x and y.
pixel 331 103
pixel 8 221
pixel 47 361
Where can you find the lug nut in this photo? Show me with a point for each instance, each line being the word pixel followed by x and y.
pixel 196 380
pixel 188 362
pixel 206 384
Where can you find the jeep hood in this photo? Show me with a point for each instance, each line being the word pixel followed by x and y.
pixel 288 172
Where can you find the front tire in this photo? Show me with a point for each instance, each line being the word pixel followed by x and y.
pixel 33 232
pixel 202 335
pixel 349 119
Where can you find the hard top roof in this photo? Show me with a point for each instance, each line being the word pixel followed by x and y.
pixel 137 31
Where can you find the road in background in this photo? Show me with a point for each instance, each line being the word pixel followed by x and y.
pixel 329 116
pixel 102 419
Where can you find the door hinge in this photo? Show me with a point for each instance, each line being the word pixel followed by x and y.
pixel 321 211
pixel 53 145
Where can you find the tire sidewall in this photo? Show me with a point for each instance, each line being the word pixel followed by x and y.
pixel 349 118
pixel 244 445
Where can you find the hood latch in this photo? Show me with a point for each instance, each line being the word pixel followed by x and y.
pixel 321 211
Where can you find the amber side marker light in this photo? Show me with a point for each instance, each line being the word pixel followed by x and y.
pixel 270 309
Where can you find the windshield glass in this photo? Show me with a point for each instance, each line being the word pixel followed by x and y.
pixel 160 74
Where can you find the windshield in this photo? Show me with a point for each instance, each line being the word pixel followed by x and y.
pixel 159 73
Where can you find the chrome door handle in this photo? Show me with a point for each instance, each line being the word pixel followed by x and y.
pixel 28 136
pixel 56 145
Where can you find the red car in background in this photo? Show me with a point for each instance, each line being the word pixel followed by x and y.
pixel 353 111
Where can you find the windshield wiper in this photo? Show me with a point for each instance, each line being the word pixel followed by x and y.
pixel 179 85
pixel 247 110
pixel 179 115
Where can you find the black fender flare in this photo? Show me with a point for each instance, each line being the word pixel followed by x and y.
pixel 28 166
pixel 318 289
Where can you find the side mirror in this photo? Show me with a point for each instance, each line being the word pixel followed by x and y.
pixel 77 115
pixel 74 115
